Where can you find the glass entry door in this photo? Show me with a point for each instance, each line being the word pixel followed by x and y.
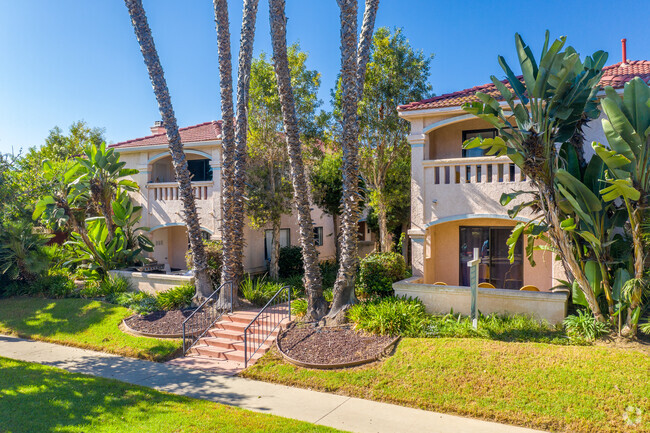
pixel 495 268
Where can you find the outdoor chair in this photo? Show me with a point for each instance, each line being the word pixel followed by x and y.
pixel 486 285
pixel 530 289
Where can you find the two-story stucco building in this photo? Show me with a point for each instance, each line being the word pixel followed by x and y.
pixel 455 192
pixel 162 207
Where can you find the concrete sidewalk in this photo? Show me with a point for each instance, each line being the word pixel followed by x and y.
pixel 345 413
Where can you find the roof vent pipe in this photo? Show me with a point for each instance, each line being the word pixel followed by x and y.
pixel 624 48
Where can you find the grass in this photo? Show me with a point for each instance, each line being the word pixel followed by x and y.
pixel 560 388
pixel 81 323
pixel 36 398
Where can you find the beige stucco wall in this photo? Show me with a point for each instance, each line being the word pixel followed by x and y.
pixel 442 257
pixel 446 142
pixel 164 216
pixel 547 306
pixel 153 283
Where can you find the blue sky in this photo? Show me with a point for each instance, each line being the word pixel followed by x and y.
pixel 78 59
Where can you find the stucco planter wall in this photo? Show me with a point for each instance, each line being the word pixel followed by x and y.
pixel 547 306
pixel 153 283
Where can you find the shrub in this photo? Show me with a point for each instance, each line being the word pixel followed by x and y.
pixel 328 270
pixel 290 261
pixel 55 284
pixel 214 255
pixel 23 256
pixel 139 302
pixel 645 328
pixel 110 288
pixel 258 290
pixel 378 272
pixel 176 298
pixel 584 326
pixel 391 316
pixel 299 308
pixel 296 284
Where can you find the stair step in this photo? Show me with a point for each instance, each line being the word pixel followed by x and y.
pixel 227 343
pixel 238 335
pixel 228 354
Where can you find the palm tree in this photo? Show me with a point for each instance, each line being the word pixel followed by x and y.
pixel 353 71
pixel 229 267
pixel 317 306
pixel 234 152
pixel 241 128
pixel 150 56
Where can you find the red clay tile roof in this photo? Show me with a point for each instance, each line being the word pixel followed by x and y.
pixel 614 75
pixel 207 131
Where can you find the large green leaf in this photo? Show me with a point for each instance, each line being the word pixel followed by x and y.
pixel 620 188
pixel 579 190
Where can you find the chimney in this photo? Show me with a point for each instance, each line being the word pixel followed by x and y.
pixel 158 128
pixel 624 49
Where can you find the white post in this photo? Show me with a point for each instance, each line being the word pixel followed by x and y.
pixel 473 285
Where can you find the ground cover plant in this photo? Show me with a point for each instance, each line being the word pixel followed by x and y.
pixel 579 389
pixel 407 317
pixel 85 323
pixel 55 400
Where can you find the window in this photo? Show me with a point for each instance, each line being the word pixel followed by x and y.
pixel 483 133
pixel 285 241
pixel 200 169
pixel 495 267
pixel 318 236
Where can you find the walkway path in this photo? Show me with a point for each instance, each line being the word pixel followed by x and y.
pixel 345 413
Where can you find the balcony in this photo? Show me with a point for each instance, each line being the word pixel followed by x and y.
pixel 168 191
pixel 484 169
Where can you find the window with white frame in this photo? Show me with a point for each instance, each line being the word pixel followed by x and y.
pixel 318 236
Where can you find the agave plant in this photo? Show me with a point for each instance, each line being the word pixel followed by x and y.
pixel 546 108
pixel 22 251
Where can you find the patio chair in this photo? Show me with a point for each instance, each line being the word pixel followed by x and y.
pixel 440 283
pixel 486 285
pixel 530 289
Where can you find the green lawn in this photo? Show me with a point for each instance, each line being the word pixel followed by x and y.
pixel 36 398
pixel 81 323
pixel 558 388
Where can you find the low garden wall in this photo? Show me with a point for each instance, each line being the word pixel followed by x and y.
pixel 153 283
pixel 548 306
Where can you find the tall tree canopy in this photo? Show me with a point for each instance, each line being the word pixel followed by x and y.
pixel 396 73
pixel 269 189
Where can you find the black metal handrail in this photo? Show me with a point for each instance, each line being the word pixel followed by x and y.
pixel 205 315
pixel 265 322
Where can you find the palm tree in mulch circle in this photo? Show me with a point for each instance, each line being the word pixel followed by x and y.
pixel 317 306
pixel 143 34
pixel 353 72
pixel 234 134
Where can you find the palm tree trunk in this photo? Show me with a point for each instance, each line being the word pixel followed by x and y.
pixel 241 130
pixel 353 72
pixel 229 268
pixel 317 306
pixel 157 77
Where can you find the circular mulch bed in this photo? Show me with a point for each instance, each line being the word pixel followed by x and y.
pixel 167 324
pixel 312 347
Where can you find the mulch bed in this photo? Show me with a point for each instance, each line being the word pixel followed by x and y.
pixel 331 346
pixel 159 322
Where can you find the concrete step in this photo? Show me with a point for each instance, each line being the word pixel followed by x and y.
pixel 227 354
pixel 238 335
pixel 227 343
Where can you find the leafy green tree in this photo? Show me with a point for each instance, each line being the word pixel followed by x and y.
pixel 327 187
pixel 548 107
pixel 396 73
pixel 269 189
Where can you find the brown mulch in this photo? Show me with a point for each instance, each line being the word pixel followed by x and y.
pixel 159 322
pixel 341 345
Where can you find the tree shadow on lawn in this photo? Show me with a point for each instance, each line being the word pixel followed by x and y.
pixel 66 320
pixel 34 398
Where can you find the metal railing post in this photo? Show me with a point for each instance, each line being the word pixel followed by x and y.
pixel 245 349
pixel 289 298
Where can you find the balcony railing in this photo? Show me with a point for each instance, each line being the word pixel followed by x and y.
pixel 163 191
pixel 486 169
